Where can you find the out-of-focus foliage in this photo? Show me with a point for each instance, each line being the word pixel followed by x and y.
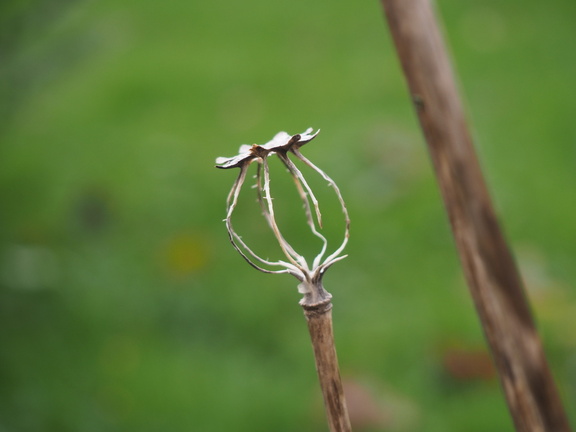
pixel 122 304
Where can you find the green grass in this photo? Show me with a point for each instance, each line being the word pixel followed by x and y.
pixel 122 304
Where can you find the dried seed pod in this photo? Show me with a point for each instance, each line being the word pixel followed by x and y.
pixel 284 146
pixel 316 302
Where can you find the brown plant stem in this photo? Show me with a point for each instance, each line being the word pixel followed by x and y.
pixel 318 313
pixel 490 270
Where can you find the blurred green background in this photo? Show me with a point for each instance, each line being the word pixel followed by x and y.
pixel 122 305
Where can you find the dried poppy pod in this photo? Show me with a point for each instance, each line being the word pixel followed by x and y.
pixel 284 145
pixel 316 302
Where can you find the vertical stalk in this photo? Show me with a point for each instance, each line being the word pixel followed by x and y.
pixel 493 278
pixel 319 318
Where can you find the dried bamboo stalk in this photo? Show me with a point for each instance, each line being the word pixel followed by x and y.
pixel 490 270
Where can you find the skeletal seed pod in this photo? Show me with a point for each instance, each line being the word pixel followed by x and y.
pixel 316 303
pixel 284 146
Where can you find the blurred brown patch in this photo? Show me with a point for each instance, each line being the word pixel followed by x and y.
pixel 374 407
pixel 468 364
pixel 363 408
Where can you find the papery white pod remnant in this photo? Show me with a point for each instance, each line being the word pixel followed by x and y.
pixel 285 147
pixel 316 301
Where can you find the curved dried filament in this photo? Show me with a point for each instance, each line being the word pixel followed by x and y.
pixel 334 256
pixel 289 252
pixel 295 258
pixel 237 241
pixel 305 194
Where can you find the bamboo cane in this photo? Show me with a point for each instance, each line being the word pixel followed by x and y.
pixel 491 273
